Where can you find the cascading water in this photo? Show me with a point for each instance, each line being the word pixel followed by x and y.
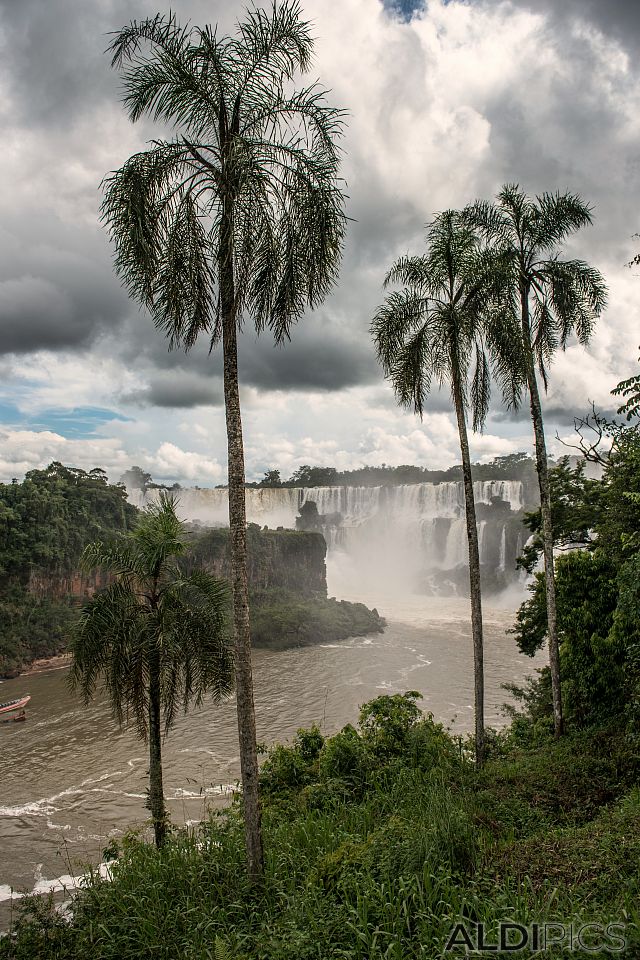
pixel 411 537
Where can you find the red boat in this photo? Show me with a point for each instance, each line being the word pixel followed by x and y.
pixel 14 706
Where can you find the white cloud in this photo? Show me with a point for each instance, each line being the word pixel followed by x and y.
pixel 23 450
pixel 441 110
pixel 170 461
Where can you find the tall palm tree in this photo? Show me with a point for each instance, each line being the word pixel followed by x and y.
pixel 239 216
pixel 436 329
pixel 155 638
pixel 552 300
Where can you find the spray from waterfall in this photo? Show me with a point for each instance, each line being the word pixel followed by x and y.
pixel 388 539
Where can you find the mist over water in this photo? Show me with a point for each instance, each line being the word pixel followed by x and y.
pixel 402 539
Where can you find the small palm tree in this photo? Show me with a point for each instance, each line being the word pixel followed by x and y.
pixel 155 638
pixel 436 329
pixel 551 299
pixel 239 216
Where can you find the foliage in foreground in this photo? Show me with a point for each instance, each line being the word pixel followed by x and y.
pixel 597 586
pixel 378 840
pixel 154 638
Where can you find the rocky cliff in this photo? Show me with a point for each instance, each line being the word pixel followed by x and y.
pixel 277 559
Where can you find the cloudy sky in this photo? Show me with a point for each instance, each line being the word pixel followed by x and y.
pixel 446 102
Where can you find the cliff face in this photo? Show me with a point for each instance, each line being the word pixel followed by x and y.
pixel 277 559
pixel 73 586
pixel 36 615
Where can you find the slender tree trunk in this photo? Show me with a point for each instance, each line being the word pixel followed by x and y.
pixel 545 509
pixel 238 541
pixel 474 574
pixel 156 793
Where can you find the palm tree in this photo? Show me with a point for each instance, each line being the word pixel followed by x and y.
pixel 435 329
pixel 551 299
pixel 155 638
pixel 239 216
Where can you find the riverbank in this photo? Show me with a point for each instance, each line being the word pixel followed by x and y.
pixel 385 842
pixel 280 620
pixel 40 665
pixel 46 664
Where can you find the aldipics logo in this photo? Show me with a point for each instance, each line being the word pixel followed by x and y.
pixel 511 937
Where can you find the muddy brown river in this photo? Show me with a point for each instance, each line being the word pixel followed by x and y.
pixel 70 778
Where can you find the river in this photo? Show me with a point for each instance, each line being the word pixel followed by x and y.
pixel 70 778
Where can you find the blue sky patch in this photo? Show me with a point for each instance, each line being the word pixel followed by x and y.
pixel 79 423
pixel 405 9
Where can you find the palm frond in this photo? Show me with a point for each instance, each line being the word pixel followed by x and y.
pixel 396 321
pixel 558 215
pixel 273 43
pixel 411 271
pixel 172 81
pixel 134 208
pixel 151 614
pixel 245 136
pixel 480 388
pixel 577 294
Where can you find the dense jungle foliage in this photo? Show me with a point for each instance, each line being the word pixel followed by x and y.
pixel 514 466
pixel 378 840
pixel 47 520
pixel 45 523
pixel 598 585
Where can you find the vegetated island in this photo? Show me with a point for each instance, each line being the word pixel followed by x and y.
pixel 47 520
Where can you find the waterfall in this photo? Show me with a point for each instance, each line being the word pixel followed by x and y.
pixel 412 533
pixel 503 548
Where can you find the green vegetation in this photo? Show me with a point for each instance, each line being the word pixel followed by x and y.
pixel 514 466
pixel 280 620
pixel 32 628
pixel 154 638
pixel 47 520
pixel 45 523
pixel 598 593
pixel 377 841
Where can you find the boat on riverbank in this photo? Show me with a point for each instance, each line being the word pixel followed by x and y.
pixel 14 707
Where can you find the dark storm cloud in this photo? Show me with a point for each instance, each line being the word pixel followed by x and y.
pixel 57 290
pixel 321 355
pixel 178 388
pixel 55 52
pixel 55 56
pixel 617 18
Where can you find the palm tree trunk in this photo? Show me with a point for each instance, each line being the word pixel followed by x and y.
pixel 547 528
pixel 238 543
pixel 474 573
pixel 156 793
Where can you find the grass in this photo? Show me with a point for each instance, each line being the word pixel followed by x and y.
pixel 377 841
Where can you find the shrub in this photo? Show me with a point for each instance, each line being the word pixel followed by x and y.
pixel 344 757
pixel 386 721
pixel 284 769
